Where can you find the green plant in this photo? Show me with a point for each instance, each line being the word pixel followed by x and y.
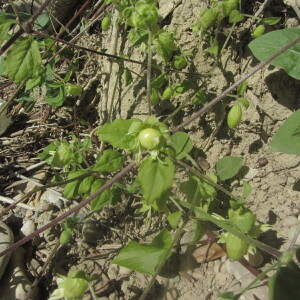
pixel 154 149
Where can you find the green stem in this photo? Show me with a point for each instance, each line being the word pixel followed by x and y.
pixel 227 40
pixel 259 277
pixel 149 72
pixel 202 215
pixel 113 98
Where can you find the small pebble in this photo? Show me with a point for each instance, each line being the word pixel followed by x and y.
pixel 124 271
pixel 289 221
pixel 27 228
pixel 171 294
pixel 261 162
pixel 254 260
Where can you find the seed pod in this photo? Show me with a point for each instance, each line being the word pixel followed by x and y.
pixel 74 89
pixel 105 24
pixel 234 116
pixel 236 247
pixel 258 31
pixel 65 237
pixel 150 138
pixel 208 18
pixel 262 162
pixel 154 97
pixel 168 92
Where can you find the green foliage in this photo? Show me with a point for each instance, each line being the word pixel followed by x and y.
pixel 116 133
pixel 236 247
pixel 145 258
pixel 155 177
pixel 287 138
pixel 109 161
pixel 234 116
pixel 266 45
pixel 23 60
pixel 228 166
pixel 181 143
pixel 105 24
pixel 101 200
pixel 204 192
pixel 174 219
pixel 6 21
pixel 285 283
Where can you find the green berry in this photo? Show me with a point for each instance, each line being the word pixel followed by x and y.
pixel 234 116
pixel 150 138
pixel 105 24
pixel 168 92
pixel 73 89
pixel 258 31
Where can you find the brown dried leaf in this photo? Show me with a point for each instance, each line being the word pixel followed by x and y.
pixel 208 252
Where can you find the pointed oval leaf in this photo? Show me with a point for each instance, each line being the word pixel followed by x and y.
pixel 228 166
pixel 269 43
pixel 23 60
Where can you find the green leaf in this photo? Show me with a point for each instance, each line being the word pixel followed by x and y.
pixel 285 283
pixel 271 20
pixel 145 258
pixel 109 161
pixel 181 143
pixel 203 190
pixel 156 177
pixel 42 21
pixel 174 219
pixel 128 77
pixel 85 185
pixel 182 88
pixel 158 81
pixel 287 138
pixel 269 43
pixel 165 45
pixel 5 23
pixel 23 60
pixel 236 16
pixel 228 166
pixel 116 133
pixel 241 88
pixel 71 188
pixel 101 200
pixel 246 190
pixel 55 96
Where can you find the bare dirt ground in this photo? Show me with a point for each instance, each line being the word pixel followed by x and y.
pixel 273 96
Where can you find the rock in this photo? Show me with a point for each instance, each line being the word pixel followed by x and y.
pixel 289 221
pixel 15 284
pixel 28 228
pixel 52 198
pixel 171 294
pixel 124 271
pixel 6 240
pixel 254 260
pixel 292 231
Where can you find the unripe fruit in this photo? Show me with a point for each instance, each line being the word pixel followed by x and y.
pixel 64 237
pixel 154 97
pixel 73 89
pixel 208 18
pixel 150 138
pixel 258 31
pixel 234 116
pixel 167 94
pixel 105 24
pixel 236 247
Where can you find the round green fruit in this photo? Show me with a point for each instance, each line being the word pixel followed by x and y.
pixel 258 31
pixel 234 116
pixel 105 24
pixel 150 138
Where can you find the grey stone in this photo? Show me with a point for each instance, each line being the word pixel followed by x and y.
pixel 27 228
pixel 6 240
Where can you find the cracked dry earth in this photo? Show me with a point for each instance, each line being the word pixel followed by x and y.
pixel 274 177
